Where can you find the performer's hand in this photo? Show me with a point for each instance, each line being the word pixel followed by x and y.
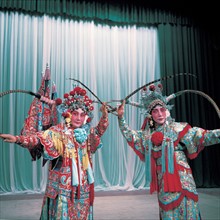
pixel 120 109
pixel 104 110
pixel 8 138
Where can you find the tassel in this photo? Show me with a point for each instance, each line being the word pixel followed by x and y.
pixel 92 194
pixel 78 192
pixel 90 174
pixel 170 157
pixel 75 178
pixel 153 184
pixel 148 163
pixel 90 213
pixel 163 156
pixel 172 181
pixel 79 173
pixel 71 167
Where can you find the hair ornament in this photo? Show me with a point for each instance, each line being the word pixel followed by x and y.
pixel 77 98
pixel 152 97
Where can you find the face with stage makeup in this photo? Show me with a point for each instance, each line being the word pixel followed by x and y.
pixel 78 117
pixel 159 114
pixel 77 108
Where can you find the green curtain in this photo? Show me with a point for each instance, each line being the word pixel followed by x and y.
pixel 108 12
pixel 186 49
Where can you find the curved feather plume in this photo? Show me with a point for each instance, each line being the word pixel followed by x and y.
pixel 110 111
pixel 174 95
pixel 87 89
pixel 157 80
pixel 42 98
pixel 20 91
pixel 136 104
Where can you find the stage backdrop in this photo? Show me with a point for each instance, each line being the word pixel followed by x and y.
pixel 111 61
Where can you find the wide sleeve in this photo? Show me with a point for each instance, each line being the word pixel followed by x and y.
pixel 134 138
pixel 96 133
pixel 197 138
pixel 28 141
pixel 47 143
pixel 32 143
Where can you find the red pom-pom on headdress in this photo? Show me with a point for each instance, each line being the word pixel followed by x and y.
pixel 66 95
pixel 152 87
pixel 77 98
pixel 160 86
pixel 77 89
pixel 83 92
pixel 58 101
pixel 145 88
pixel 72 93
pixel 152 97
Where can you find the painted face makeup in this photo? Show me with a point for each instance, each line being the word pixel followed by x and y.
pixel 159 114
pixel 78 118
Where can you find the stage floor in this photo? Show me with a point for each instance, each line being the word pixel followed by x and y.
pixel 111 205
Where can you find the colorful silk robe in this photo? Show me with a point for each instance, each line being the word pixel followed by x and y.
pixel 70 189
pixel 165 152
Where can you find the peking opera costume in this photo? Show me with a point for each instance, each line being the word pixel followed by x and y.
pixel 69 192
pixel 165 150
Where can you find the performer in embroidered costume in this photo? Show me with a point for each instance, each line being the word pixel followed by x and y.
pixel 68 147
pixel 164 145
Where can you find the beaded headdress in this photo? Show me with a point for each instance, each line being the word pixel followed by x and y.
pixel 152 96
pixel 75 99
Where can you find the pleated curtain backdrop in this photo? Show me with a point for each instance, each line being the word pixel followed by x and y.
pixel 111 61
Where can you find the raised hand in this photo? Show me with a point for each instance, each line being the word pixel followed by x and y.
pixel 120 109
pixel 104 110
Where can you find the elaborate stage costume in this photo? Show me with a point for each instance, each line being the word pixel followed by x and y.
pixel 70 188
pixel 67 146
pixel 165 149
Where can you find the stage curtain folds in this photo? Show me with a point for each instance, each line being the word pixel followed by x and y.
pixel 107 12
pixel 111 61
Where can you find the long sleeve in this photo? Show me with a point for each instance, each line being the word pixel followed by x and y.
pixel 96 133
pixel 32 143
pixel 102 126
pixel 29 142
pixel 47 143
pixel 134 138
pixel 198 138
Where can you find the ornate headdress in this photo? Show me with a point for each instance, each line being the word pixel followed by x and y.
pixel 76 99
pixel 152 96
